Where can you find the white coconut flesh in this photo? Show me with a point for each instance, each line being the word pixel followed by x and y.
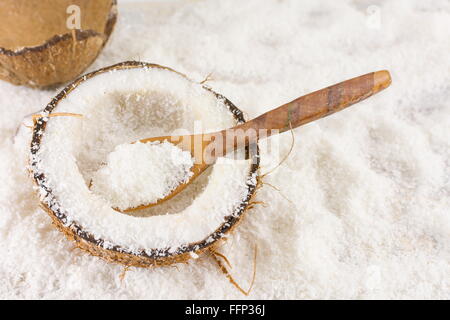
pixel 119 107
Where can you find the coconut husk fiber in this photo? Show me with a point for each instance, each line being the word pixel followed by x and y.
pixel 37 49
pixel 146 257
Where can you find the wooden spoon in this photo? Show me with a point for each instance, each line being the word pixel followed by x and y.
pixel 206 147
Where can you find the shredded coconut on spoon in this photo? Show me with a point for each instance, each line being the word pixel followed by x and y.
pixel 141 173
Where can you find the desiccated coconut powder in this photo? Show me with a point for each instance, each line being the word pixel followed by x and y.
pixel 141 173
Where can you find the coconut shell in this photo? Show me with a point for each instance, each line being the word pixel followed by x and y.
pixel 36 47
pixel 144 258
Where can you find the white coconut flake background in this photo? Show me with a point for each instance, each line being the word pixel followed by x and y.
pixel 363 206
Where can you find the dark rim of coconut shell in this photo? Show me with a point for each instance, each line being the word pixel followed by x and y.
pixel 52 204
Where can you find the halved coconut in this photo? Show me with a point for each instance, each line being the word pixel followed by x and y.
pixel 120 104
pixel 38 49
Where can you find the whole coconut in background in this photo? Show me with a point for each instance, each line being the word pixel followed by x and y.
pixel 44 43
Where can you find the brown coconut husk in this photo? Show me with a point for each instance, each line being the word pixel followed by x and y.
pixel 116 254
pixel 36 47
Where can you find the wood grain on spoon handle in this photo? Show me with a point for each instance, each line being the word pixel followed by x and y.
pixel 320 103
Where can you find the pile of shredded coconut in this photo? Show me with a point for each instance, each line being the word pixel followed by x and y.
pixel 141 173
pixel 363 206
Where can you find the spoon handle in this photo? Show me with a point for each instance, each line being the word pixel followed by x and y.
pixel 298 112
pixel 320 103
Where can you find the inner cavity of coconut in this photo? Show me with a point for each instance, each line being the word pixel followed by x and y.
pixel 123 106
